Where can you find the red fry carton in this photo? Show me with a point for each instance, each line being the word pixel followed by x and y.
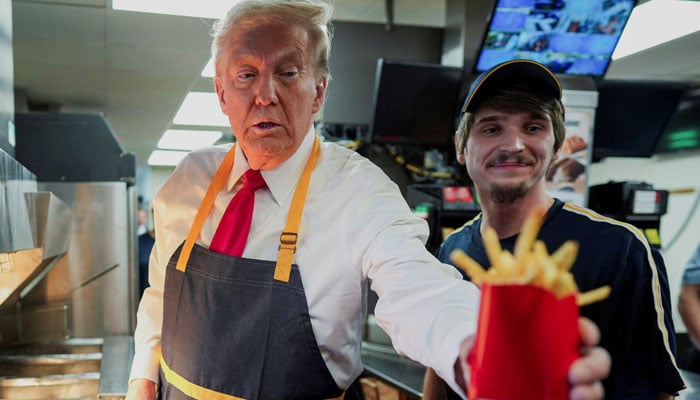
pixel 525 343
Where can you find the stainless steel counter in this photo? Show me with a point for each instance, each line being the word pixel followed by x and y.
pixel 117 355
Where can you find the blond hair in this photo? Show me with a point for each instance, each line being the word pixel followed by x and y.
pixel 313 15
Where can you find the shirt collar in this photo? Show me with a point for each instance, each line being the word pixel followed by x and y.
pixel 282 180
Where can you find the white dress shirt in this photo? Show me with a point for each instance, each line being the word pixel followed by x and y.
pixel 355 226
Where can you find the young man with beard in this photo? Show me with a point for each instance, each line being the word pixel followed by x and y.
pixel 511 128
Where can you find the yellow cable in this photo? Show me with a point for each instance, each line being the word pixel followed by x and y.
pixel 419 170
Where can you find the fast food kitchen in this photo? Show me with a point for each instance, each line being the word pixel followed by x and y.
pixel 635 178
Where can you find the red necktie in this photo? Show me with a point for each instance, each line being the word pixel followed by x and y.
pixel 232 232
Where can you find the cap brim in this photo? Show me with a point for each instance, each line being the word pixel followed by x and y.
pixel 508 73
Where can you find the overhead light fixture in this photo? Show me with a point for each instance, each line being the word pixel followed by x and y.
pixel 656 22
pixel 201 8
pixel 166 158
pixel 180 139
pixel 201 108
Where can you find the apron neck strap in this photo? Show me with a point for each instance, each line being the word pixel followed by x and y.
pixel 288 238
pixel 217 183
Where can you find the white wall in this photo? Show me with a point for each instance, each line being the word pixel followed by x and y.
pixel 157 177
pixel 670 173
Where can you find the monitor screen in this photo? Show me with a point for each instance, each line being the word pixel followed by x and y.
pixel 571 37
pixel 415 104
pixel 632 115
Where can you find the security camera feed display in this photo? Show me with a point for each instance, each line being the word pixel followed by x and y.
pixel 571 37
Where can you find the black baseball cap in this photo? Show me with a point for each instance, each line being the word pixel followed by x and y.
pixel 502 75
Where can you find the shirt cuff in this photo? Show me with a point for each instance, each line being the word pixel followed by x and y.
pixel 146 365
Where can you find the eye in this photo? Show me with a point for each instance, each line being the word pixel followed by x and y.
pixel 291 73
pixel 243 79
pixel 489 130
pixel 244 76
pixel 535 128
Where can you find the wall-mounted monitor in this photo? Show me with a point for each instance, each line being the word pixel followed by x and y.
pixel 415 104
pixel 570 37
pixel 632 115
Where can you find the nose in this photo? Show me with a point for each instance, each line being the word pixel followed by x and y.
pixel 512 141
pixel 265 90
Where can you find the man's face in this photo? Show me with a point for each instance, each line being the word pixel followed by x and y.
pixel 507 154
pixel 269 89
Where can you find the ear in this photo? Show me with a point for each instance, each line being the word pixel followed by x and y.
pixel 219 87
pixel 319 99
pixel 555 157
pixel 460 154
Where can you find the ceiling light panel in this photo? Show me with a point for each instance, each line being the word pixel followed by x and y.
pixel 202 8
pixel 166 158
pixel 201 109
pixel 177 139
pixel 656 22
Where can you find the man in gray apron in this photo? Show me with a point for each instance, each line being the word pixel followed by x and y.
pixel 284 319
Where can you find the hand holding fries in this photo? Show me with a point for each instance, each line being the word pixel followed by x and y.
pixel 527 335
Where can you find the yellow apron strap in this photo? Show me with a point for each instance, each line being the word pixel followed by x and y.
pixel 200 392
pixel 191 389
pixel 217 183
pixel 288 238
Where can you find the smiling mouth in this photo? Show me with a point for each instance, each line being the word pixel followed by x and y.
pixel 510 162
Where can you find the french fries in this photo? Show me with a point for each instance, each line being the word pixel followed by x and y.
pixel 530 263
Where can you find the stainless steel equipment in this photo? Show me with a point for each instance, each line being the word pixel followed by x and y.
pixel 94 368
pixel 94 280
pixel 49 219
pixel 15 180
pixel 67 261
pixel 67 369
pixel 79 158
